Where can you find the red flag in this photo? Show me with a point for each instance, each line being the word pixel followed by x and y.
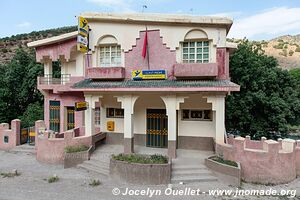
pixel 144 52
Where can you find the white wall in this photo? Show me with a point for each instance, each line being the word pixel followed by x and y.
pixel 153 101
pixel 126 35
pixel 74 66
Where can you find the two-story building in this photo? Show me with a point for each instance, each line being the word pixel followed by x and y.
pixel 149 79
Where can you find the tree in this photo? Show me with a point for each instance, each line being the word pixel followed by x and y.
pixel 268 100
pixel 18 86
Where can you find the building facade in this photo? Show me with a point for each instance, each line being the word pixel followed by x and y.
pixel 149 79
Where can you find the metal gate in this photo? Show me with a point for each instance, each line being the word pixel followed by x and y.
pixel 157 128
pixel 54 116
pixel 27 135
pixel 70 118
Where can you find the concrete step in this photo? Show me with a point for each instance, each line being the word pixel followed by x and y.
pixel 187 167
pixel 193 179
pixel 23 149
pixel 176 172
pixel 93 168
pixel 97 164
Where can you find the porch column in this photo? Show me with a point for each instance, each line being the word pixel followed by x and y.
pixel 48 70
pixel 127 102
pixel 172 103
pixel 89 116
pixel 218 106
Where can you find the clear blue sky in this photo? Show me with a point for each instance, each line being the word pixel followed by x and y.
pixel 255 19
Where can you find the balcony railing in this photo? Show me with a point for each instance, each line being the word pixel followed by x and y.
pixel 49 80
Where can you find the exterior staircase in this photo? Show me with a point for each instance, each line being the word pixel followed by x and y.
pixel 190 170
pixel 96 166
pixel 24 148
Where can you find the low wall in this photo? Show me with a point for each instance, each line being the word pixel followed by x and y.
pixel 73 159
pixel 10 138
pixel 51 150
pixel 143 174
pixel 229 174
pixel 265 161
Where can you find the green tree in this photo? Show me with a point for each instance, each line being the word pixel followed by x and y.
pixel 18 88
pixel 267 101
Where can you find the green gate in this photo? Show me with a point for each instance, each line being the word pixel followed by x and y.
pixel 54 116
pixel 157 128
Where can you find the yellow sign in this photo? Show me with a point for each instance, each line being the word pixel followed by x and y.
pixel 32 134
pixel 83 27
pixel 83 33
pixel 148 74
pixel 79 106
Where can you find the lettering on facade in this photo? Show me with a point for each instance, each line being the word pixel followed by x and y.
pixel 148 74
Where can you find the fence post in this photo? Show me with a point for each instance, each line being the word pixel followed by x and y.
pixel 16 130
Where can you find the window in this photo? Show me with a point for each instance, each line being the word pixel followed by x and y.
pixel 5 139
pixel 97 116
pixel 114 113
pixel 110 55
pixel 195 52
pixel 196 115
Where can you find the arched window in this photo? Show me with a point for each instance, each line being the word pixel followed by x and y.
pixel 195 47
pixel 109 52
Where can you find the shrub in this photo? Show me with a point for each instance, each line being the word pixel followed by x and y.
pixel 10 174
pixel 291 52
pixel 94 183
pixel 4 50
pixel 53 179
pixel 297 49
pixel 226 162
pixel 279 46
pixel 144 159
pixel 73 149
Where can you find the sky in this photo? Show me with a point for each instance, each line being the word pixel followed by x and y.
pixel 254 19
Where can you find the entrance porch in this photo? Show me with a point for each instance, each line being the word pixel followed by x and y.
pixel 169 121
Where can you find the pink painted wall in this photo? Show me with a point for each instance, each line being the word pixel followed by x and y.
pixel 265 163
pixel 66 99
pixel 105 72
pixel 13 134
pixel 54 51
pixel 223 63
pixel 51 150
pixel 160 57
pixel 196 69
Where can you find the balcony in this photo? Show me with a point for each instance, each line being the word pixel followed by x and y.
pixel 196 70
pixel 108 73
pixel 47 82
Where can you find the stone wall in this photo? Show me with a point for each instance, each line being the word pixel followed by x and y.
pixel 265 161
pixel 10 137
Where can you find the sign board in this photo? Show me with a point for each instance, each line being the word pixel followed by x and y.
pixel 83 35
pixel 79 106
pixel 148 74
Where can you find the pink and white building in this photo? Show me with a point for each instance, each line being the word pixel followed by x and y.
pixel 182 105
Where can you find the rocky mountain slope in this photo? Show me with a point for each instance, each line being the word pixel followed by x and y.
pixel 285 48
pixel 8 45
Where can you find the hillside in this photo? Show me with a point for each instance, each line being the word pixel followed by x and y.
pixel 285 48
pixel 8 45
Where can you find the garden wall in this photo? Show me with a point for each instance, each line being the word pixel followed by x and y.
pixel 10 138
pixel 51 149
pixel 265 161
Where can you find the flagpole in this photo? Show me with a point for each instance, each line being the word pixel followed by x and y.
pixel 147 49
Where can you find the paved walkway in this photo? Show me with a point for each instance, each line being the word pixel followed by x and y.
pixel 74 183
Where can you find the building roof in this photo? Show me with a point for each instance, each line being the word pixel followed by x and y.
pixel 158 18
pixel 53 40
pixel 157 85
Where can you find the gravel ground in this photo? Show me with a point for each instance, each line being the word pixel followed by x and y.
pixel 73 184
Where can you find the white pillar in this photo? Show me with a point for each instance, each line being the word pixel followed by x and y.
pixel 89 117
pixel 172 103
pixel 218 106
pixel 127 102
pixel 48 71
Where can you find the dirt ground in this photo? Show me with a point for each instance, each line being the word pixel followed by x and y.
pixel 73 184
